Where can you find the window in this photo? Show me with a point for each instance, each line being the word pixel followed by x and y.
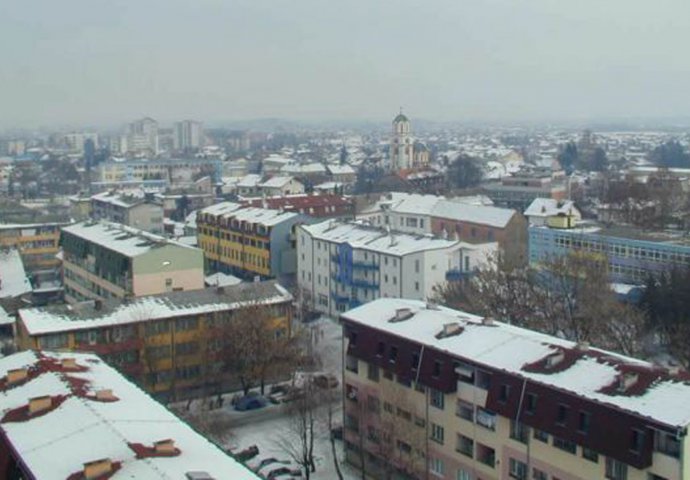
pixel 437 433
pixel 465 410
pixel 562 414
pixel 351 392
pixel 503 393
pixel 419 421
pixel 189 323
pixel 517 469
pixel 351 364
pixel 667 444
pixel 539 475
pixel 463 475
pixel 636 440
pixel 584 421
pixel 565 445
pixel 486 455
pixel 404 447
pixel 436 466
pixel 436 398
pixel 186 348
pixel 541 435
pixel 380 349
pixel 465 445
pixel 589 454
pixel 486 419
pixel 387 375
pixel 373 435
pixel 415 361
pixel 519 431
pixel 374 404
pixel 416 286
pixel 531 403
pixel 483 380
pixel 393 354
pixel 388 407
pixel 616 470
pixel 59 340
pixel 373 372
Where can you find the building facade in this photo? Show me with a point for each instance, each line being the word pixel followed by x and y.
pixel 318 206
pixel 132 208
pixel 38 243
pixel 104 260
pixel 142 137
pixel 342 265
pixel 188 135
pixel 519 190
pixel 431 392
pixel 248 242
pixel 631 257
pixel 170 344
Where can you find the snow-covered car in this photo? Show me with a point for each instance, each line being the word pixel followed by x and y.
pixel 283 472
pixel 267 465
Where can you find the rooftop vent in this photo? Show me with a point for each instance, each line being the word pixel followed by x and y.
pixel 673 369
pixel 627 380
pixel 69 363
pixel 40 404
pixel 198 476
pixel 105 394
pixel 402 314
pixel 449 329
pixel 97 468
pixel 582 346
pixel 488 321
pixel 430 305
pixel 165 446
pixel 555 358
pixel 16 375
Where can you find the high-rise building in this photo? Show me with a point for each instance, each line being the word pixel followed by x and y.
pixel 142 136
pixel 188 134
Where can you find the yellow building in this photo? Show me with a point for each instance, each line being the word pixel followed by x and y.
pixel 170 344
pixel 38 243
pixel 248 241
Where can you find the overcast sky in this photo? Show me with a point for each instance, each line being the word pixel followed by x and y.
pixel 87 62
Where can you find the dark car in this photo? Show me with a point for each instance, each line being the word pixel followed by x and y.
pixel 253 402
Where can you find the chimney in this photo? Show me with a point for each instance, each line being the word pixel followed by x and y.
pixel 98 305
pixel 582 346
pixel 105 394
pixel 39 404
pixel 16 375
pixel 166 446
pixel 488 321
pixel 449 329
pixel 555 358
pixel 431 305
pixel 402 314
pixel 69 363
pixel 627 380
pixel 97 468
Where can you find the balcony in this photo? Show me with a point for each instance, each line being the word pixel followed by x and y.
pixel 360 283
pixel 365 265
pixel 339 298
pixel 456 274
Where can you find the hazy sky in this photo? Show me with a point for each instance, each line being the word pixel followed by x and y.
pixel 109 61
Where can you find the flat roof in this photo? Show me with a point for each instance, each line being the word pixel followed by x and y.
pixel 13 280
pixel 82 429
pixel 514 350
pixel 113 312
pixel 364 236
pixel 262 216
pixel 128 241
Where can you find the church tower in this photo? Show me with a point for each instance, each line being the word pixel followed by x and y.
pixel 402 146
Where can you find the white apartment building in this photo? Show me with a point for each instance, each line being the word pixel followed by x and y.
pixel 188 134
pixel 344 264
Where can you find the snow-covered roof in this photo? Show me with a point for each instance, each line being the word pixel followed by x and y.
pixel 479 214
pixel 276 182
pixel 126 199
pixel 513 350
pixel 360 235
pixel 13 281
pixel 261 216
pixel 55 444
pixel 5 318
pixel 222 280
pixel 340 169
pixel 125 240
pixel 548 207
pixel 305 168
pixel 249 181
pixel 60 318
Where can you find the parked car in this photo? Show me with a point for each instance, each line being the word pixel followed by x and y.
pixel 247 453
pixel 325 380
pixel 250 402
pixel 284 472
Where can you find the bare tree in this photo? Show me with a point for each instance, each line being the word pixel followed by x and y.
pixel 298 441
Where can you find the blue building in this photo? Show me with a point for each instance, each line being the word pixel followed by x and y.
pixel 632 255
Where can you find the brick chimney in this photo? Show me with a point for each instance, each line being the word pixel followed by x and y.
pixel 16 375
pixel 165 446
pixel 105 394
pixel 69 363
pixel 39 404
pixel 97 468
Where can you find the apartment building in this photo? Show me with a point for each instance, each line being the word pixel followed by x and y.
pixel 632 255
pixel 71 416
pixel 345 264
pixel 104 260
pixel 431 392
pixel 172 170
pixel 169 343
pixel 457 218
pixel 248 242
pixel 132 208
pixel 38 243
pixel 520 189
